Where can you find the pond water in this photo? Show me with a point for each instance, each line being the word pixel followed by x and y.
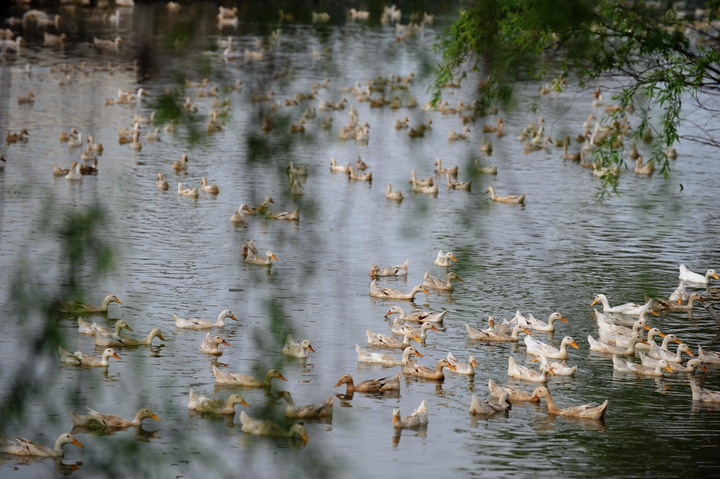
pixel 181 255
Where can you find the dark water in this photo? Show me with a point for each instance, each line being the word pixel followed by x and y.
pixel 179 255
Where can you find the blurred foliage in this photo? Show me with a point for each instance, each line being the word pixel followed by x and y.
pixel 658 54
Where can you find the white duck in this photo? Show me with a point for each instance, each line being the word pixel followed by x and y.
pixel 211 345
pixel 324 409
pixel 399 270
pixel 691 277
pixel 432 282
pixel 538 348
pixel 399 327
pixel 444 259
pixel 630 309
pixel 389 293
pixel 191 192
pixel 521 372
pixel 23 447
pixel 246 380
pixel 467 369
pixel 78 358
pixel 495 336
pixel 260 260
pixel 607 348
pixel 625 366
pixel 702 394
pixel 535 324
pixel 559 368
pixel 204 404
pixel 658 352
pixel 689 367
pixel 195 323
pixel 680 294
pixel 422 316
pixel 585 411
pixel 515 395
pixel 708 357
pixel 488 408
pixel 297 349
pixel 266 428
pixel 370 357
pixel 389 342
pixel 418 418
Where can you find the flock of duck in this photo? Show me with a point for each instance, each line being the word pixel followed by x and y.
pixel 619 328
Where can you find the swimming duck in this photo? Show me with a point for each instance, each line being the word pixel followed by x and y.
pixel 510 199
pixel 389 293
pixel 57 171
pixel 195 323
pixel 691 277
pixel 689 367
pixel 85 327
pixel 515 394
pixel 452 171
pixel 259 260
pixel 458 185
pixel 623 340
pixel 335 168
pixel 310 410
pixel 420 182
pixel 393 195
pixel 23 447
pixel 538 325
pixel 559 368
pixel 267 428
pixel 411 368
pixel 444 259
pixel 200 403
pixel 490 335
pixel 370 385
pixel 112 421
pixel 358 176
pixel 432 282
pixel 516 370
pixel 127 341
pixel 399 270
pixel 211 345
pixel 708 357
pixel 625 366
pixel 181 165
pixel 401 327
pixel 487 408
pixel 680 294
pixel 191 192
pixel 677 306
pixel 297 349
pixel 586 411
pixel 379 358
pixel 607 348
pixel 467 369
pixel 238 218
pixel 485 170
pixel 246 380
pixel 610 331
pixel 418 418
pixel 422 316
pixel 211 189
pixel 702 394
pixel 428 190
pixel 161 183
pixel 78 358
pixel 389 342
pixel 658 352
pixel 630 309
pixel 538 348
pixel 74 173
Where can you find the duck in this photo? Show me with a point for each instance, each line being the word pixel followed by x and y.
pixel 107 337
pixel 389 293
pixel 23 447
pixel 678 306
pixel 690 367
pixel 466 369
pixel 181 165
pixel 161 183
pixel 112 421
pixel 191 192
pixel 238 218
pixel 57 171
pixel 358 176
pixel 127 341
pixel 419 182
pixel 267 428
pixel 400 327
pixel 691 277
pixel 196 323
pixel 411 368
pixel 393 195
pixel 335 168
pixel 538 348
pixel 560 368
pixel 535 324
pixel 307 411
pixel 630 309
pixel 585 411
pixel 399 270
pixel 516 370
pixel 259 260
pixel 235 379
pixel 680 294
pixel 625 366
pixel 297 349
pixel 485 170
pixel 360 164
pixel 611 332
pixel 297 170
pixel 452 171
pixel 509 199
pixel 428 190
pixel 422 316
pixel 210 189
pixel 658 352
pixel 432 282
pixel 642 168
pixel 515 395
pixel 204 404
pixel 607 348
pixel 85 327
pixel 78 358
pixel 75 307
pixel 702 394
pixel 444 259
pixel 74 173
pixel 418 418
pixel 488 408
pixel 708 357
pixel 370 357
pixel 263 209
pixel 485 146
pixel 623 341
pixel 389 342
pixel 293 215
pixel 490 335
pixel 458 185
pixel 211 345
pixel 376 386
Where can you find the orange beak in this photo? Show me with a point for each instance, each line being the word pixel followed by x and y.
pixel 677 341
pixel 155 416
pixel 416 338
pixel 574 345
pixel 690 353
pixel 434 328
pixel 388 314
pixel 452 257
pixel 425 291
pixel 417 353
pixel 703 368
pixel 594 303
pixel 716 276
pixel 668 369
pixel 474 363
pixel 232 316
pixel 225 343
pixel 274 257
pixel 450 366
pixel 244 403
pixel 281 377
pixel 114 355
pixel 117 301
pixel 646 328
pixel 661 334
pixel 655 313
pixel 310 348
pixel 77 443
pixel 563 319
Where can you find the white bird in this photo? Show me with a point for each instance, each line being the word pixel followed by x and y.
pixel 297 349
pixel 444 259
pixel 487 408
pixel 538 348
pixel 691 277
pixel 467 369
pixel 196 323
pixel 630 309
pixel 418 418
pixel 521 372
pixel 625 366
pixel 703 395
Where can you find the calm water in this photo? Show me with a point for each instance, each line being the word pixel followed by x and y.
pixel 178 255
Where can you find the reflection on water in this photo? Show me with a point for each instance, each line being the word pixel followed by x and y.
pixel 182 255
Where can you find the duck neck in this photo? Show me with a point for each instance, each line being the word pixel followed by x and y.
pixel 550 403
pixel 350 386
